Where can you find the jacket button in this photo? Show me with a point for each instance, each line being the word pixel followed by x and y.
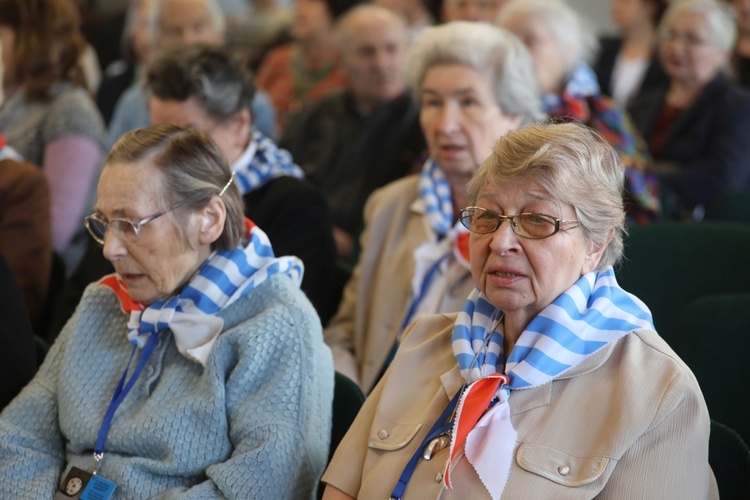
pixel 383 434
pixel 564 470
pixel 439 477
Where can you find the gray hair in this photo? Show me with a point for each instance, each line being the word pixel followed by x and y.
pixel 492 51
pixel 154 19
pixel 194 172
pixel 574 35
pixel 719 17
pixel 219 80
pixel 576 166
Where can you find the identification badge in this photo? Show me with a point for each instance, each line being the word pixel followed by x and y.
pixel 79 484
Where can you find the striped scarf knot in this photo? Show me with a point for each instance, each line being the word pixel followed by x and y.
pixel 263 162
pixel 224 277
pixel 592 313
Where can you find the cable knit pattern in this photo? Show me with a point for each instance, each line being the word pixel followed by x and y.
pixel 254 423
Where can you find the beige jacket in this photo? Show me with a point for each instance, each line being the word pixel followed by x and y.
pixel 375 300
pixel 629 422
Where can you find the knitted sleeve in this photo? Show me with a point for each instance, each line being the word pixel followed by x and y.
pixel 279 400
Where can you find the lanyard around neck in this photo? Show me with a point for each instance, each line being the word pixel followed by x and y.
pixel 443 424
pixel 121 391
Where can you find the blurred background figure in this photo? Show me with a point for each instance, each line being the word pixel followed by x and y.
pixel 698 125
pixel 178 23
pixel 49 116
pixel 741 60
pixel 309 67
pixel 417 14
pixel 628 64
pixel 353 141
pixel 208 89
pixel 561 45
pixel 473 83
pixel 470 10
pixel 25 233
pixel 266 25
pixel 25 237
pixel 134 50
pixel 18 355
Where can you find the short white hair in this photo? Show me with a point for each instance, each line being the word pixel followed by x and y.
pixel 368 11
pixel 573 33
pixel 492 51
pixel 720 19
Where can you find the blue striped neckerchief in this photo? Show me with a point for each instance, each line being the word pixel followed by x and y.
pixel 430 258
pixel 592 313
pixel 261 162
pixel 224 277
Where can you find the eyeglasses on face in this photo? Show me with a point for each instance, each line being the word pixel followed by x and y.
pixel 689 39
pixel 527 225
pixel 128 229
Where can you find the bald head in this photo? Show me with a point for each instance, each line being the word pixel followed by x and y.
pixel 373 42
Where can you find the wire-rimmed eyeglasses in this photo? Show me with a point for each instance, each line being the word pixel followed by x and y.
pixel 528 225
pixel 124 227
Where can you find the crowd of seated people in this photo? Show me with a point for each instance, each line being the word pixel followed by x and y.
pixel 260 194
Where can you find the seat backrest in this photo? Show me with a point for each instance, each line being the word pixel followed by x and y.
pixel 729 458
pixel 713 339
pixel 347 400
pixel 668 264
pixel 733 206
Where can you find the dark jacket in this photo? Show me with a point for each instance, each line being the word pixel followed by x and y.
pixel 604 67
pixel 708 141
pixel 347 155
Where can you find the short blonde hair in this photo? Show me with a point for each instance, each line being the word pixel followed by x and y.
pixel 576 166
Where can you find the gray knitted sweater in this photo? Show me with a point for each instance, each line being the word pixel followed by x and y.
pixel 254 423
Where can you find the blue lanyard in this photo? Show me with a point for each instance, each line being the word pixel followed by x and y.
pixel 121 391
pixel 431 273
pixel 443 424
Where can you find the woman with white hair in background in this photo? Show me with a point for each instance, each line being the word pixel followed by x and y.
pixel 698 126
pixel 561 46
pixel 473 83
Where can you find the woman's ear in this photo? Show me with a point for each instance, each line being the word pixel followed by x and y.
pixel 211 220
pixel 595 253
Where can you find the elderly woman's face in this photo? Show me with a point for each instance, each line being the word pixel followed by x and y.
pixel 551 62
pixel 460 117
pixel 522 276
pixel 688 51
pixel 157 263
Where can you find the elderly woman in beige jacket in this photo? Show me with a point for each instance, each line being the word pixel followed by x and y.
pixel 473 83
pixel 551 382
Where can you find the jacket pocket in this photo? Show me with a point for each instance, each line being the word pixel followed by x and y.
pixel 560 467
pixel 386 435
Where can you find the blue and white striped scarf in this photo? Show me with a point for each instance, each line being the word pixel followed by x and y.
pixel 435 193
pixel 263 161
pixel 224 277
pixel 592 313
pixel 582 82
pixel 427 283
